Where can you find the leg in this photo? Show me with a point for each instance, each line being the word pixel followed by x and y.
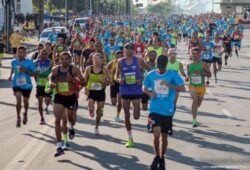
pixel 194 104
pixel 40 106
pixel 164 144
pixel 99 113
pixel 136 106
pixel 157 133
pixel 58 112
pixel 91 106
pixel 126 107
pixel 215 71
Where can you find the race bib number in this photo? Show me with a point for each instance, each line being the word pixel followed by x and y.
pixel 63 87
pixel 236 37
pixel 161 90
pixel 42 81
pixel 77 43
pixel 216 51
pixel 138 49
pixel 130 78
pixel 195 79
pixel 96 86
pixel 206 56
pixel 20 81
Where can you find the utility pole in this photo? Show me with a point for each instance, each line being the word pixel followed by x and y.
pixel 212 5
pixel 8 22
pixel 41 16
pixel 90 7
pixel 66 13
pixel 74 7
pixel 128 7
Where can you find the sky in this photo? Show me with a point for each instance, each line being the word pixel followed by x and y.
pixel 184 3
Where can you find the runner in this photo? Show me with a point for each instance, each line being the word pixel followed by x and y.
pixel 111 49
pixel 97 79
pixel 60 47
pixel 114 88
pixel 23 69
pixel 227 43
pixel 43 69
pixel 196 72
pixel 130 86
pixel 237 37
pixel 64 78
pixel 35 55
pixel 77 47
pixel 206 53
pixel 161 85
pixel 217 53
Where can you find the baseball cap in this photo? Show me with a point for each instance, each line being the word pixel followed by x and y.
pixel 129 45
pixel 161 61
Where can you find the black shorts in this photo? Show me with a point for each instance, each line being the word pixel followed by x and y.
pixel 217 60
pixel 40 92
pixel 114 90
pixel 165 122
pixel 14 50
pixel 78 52
pixel 69 102
pixel 184 35
pixel 144 98
pixel 25 92
pixel 228 50
pixel 97 95
pixel 131 97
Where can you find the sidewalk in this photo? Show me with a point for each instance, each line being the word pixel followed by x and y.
pixel 29 43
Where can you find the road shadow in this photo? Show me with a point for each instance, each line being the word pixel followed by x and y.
pixel 231 96
pixel 189 137
pixel 109 160
pixel 192 162
pixel 14 105
pixel 66 161
pixel 5 83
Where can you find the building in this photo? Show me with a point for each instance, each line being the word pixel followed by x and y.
pixel 234 6
pixel 23 6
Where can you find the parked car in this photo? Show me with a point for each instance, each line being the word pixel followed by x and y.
pixel 81 21
pixel 45 33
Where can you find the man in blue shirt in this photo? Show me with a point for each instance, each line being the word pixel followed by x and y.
pixel 53 36
pixel 161 86
pixel 23 69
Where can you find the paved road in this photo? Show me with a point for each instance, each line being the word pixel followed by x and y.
pixel 221 142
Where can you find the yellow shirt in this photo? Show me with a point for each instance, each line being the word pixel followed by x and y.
pixel 16 40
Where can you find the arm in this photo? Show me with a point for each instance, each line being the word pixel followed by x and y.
pixel 206 70
pixel 118 72
pixel 144 65
pixel 79 77
pixel 11 73
pixel 107 79
pixel 182 70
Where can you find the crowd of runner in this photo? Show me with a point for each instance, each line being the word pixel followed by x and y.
pixel 137 58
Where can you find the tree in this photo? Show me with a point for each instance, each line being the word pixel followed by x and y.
pixel 160 8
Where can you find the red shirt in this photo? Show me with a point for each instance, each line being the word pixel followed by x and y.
pixel 139 49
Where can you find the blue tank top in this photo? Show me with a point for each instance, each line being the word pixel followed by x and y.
pixel 130 73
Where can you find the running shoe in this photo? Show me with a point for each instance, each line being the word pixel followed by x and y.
pixel 162 164
pixel 195 123
pixel 71 133
pixel 117 119
pixel 25 119
pixel 59 152
pixel 130 143
pixel 65 146
pixel 149 128
pixel 207 82
pixel 97 132
pixel 18 122
pixel 42 122
pixel 155 163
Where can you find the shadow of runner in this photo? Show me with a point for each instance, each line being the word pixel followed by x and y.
pixel 195 164
pixel 5 83
pixel 110 160
pixel 75 164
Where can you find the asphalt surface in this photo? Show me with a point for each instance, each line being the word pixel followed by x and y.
pixel 221 142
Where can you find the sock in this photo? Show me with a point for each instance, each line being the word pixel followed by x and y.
pixel 59 144
pixel 130 134
pixel 118 114
pixel 66 137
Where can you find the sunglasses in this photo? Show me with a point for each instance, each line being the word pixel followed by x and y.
pixel 129 48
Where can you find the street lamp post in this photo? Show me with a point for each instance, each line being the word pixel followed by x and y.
pixel 7 23
pixel 41 16
pixel 66 13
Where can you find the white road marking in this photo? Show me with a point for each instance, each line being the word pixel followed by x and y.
pixel 28 153
pixel 227 113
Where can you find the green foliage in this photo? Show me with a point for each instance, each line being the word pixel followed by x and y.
pixel 160 8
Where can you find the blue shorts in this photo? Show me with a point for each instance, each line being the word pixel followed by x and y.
pixel 237 43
